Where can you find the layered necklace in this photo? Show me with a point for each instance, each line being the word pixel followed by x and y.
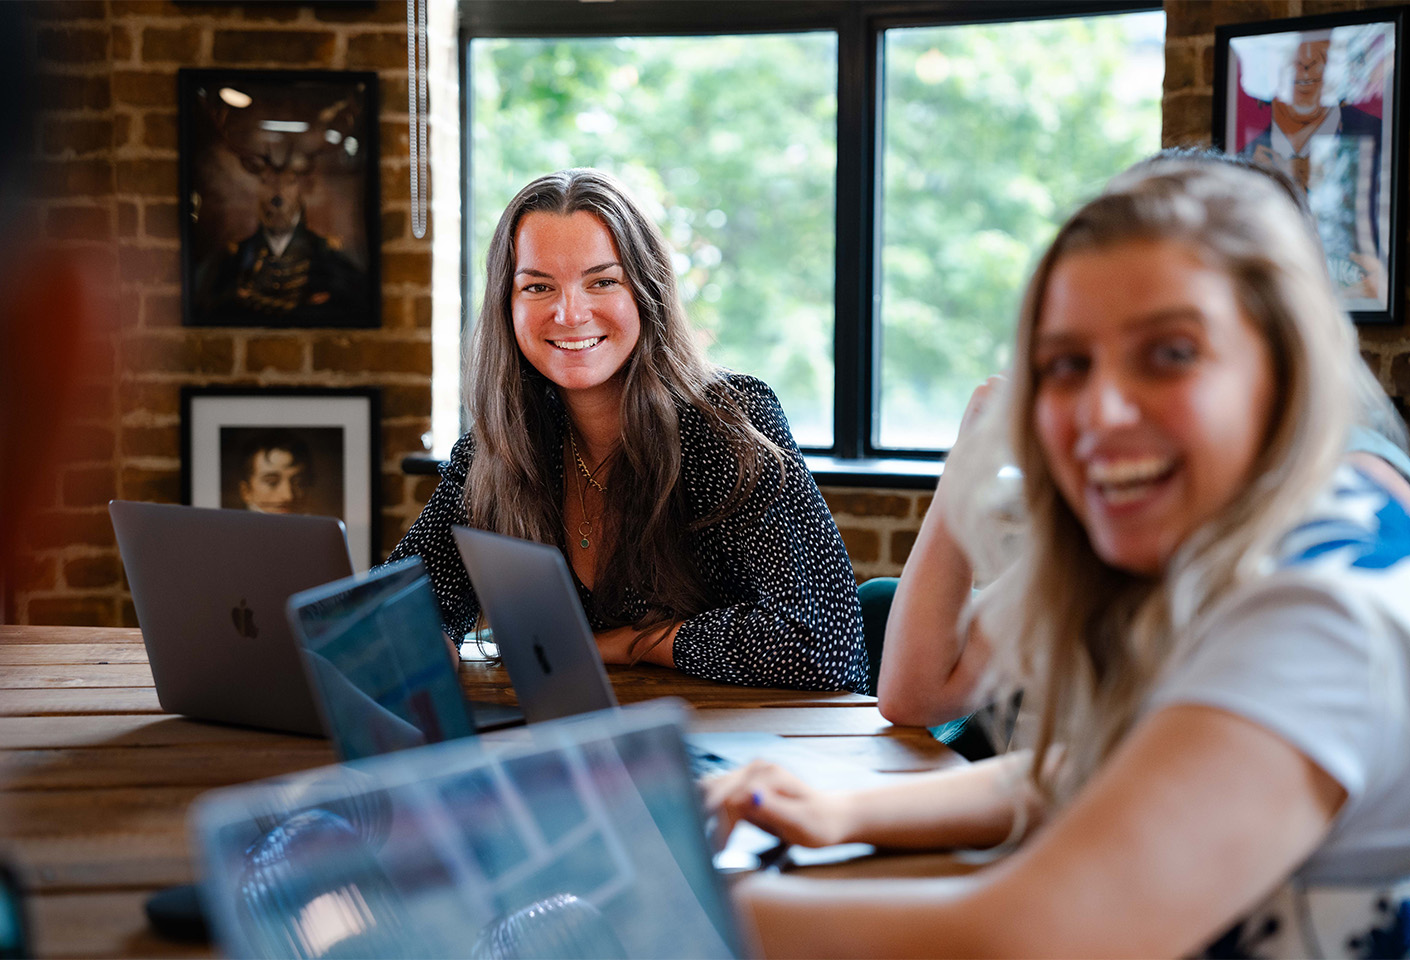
pixel 587 477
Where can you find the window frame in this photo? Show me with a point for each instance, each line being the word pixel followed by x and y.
pixel 860 25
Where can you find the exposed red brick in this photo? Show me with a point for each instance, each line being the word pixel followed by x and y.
pixel 75 178
pixel 161 310
pixel 127 219
pixel 63 528
pixel 88 487
pixel 91 400
pixel 78 223
pixel 72 44
pixel 75 93
pixel 396 182
pixel 143 88
pixel 77 136
pixel 179 45
pixel 282 354
pixel 393 311
pixel 370 51
pixel 345 354
pixel 395 136
pixel 158 399
pixel 68 10
pixel 147 177
pixel 152 441
pixel 867 504
pixel 423 488
pixel 88 573
pixel 1186 121
pixel 392 530
pixel 384 11
pixel 413 268
pixel 901 543
pixel 122 130
pixel 31 573
pixel 192 353
pixel 400 400
pixel 421 311
pixel 127 615
pixel 392 488
pixel 153 486
pixel 162 221
pixel 1182 65
pixel 277 46
pixel 122 43
pixel 403 439
pixel 145 8
pixel 80 442
pixel 863 546
pixel 923 504
pixel 69 611
pixel 146 265
pixel 159 129
pixel 394 225
pixel 271 12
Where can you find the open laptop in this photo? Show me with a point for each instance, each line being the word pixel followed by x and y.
pixel 209 587
pixel 380 667
pixel 585 841
pixel 539 627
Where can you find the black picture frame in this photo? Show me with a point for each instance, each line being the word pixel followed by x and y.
pixel 1322 99
pixel 280 201
pixel 320 449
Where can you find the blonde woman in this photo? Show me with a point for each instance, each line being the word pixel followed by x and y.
pixel 1209 617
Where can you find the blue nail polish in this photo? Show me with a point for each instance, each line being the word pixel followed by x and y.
pixel 758 798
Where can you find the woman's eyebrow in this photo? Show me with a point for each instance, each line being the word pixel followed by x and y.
pixel 601 267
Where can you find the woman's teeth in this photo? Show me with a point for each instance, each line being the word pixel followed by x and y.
pixel 577 344
pixel 1124 481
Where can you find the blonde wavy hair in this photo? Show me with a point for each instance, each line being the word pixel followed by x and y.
pixel 1082 639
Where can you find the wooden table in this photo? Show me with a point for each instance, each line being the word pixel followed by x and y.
pixel 95 779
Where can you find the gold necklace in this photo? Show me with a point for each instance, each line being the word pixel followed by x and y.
pixel 585 525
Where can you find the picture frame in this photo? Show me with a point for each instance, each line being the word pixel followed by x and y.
pixel 1321 99
pixel 287 450
pixel 280 203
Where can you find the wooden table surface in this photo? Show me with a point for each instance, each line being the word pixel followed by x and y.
pixel 95 778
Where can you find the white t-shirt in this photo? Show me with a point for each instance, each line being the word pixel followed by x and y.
pixel 1318 652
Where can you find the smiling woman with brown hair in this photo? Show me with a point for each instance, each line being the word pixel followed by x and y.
pixel 674 489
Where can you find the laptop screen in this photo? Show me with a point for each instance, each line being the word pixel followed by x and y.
pixel 585 841
pixel 378 665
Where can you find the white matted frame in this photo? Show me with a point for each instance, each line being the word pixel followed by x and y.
pixel 286 450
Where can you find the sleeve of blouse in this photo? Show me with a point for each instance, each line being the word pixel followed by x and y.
pixel 431 539
pixel 791 617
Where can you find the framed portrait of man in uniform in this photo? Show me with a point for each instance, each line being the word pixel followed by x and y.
pixel 279 198
pixel 1320 99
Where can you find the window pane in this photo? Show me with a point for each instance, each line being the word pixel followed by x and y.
pixel 730 141
pixel 992 134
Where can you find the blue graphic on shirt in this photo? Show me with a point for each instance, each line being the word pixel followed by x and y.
pixel 1360 519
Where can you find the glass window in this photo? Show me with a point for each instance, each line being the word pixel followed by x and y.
pixel 731 141
pixel 991 135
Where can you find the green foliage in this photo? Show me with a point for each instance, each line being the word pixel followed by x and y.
pixel 992 133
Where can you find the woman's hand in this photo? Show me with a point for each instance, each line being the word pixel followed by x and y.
pixel 773 799
pixel 626 645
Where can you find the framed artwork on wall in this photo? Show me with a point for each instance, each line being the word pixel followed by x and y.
pixel 297 450
pixel 279 198
pixel 1321 99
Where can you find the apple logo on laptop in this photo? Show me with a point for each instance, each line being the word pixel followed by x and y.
pixel 542 657
pixel 244 619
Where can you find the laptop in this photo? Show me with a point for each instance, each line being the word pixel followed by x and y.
pixel 209 587
pixel 539 627
pixel 584 841
pixel 380 667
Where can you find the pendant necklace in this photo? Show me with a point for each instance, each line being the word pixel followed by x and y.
pixel 585 527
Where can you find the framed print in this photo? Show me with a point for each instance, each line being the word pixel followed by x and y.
pixel 279 198
pixel 311 451
pixel 1320 98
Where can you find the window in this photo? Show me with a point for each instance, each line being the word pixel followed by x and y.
pixel 854 198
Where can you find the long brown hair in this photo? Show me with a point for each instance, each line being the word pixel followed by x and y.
pixel 518 421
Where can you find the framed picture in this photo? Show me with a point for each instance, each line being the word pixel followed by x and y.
pixel 308 450
pixel 279 198
pixel 1320 98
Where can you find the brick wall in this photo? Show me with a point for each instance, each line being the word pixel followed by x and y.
pixel 108 139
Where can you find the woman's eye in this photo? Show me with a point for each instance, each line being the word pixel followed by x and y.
pixel 534 288
pixel 1174 354
pixel 605 282
pixel 1062 367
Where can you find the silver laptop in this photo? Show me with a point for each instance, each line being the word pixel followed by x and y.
pixel 380 666
pixel 539 628
pixel 584 841
pixel 209 587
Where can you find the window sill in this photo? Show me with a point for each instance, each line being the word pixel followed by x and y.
pixel 827 471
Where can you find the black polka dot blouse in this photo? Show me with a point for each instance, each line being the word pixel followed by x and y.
pixel 787 613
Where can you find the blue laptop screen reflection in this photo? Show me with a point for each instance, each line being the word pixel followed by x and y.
pixel 384 677
pixel 587 844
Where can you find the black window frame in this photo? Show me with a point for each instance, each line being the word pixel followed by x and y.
pixel 860 25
